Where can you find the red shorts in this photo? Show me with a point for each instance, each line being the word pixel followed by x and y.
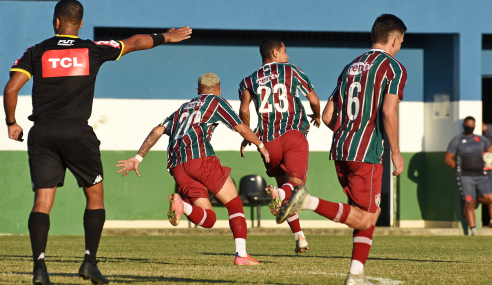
pixel 361 182
pixel 288 154
pixel 194 177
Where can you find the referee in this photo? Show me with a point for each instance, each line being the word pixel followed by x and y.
pixel 65 69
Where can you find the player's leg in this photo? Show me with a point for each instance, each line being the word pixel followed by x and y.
pixel 47 173
pixel 80 152
pixel 484 194
pixel 200 212
pixel 227 195
pixel 468 188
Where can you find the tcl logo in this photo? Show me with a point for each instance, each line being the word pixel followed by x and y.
pixel 67 62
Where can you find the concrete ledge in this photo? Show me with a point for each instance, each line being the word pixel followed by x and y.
pixel 268 231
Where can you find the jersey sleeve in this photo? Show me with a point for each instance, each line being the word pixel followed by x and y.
pixel 397 79
pixel 336 93
pixel 109 50
pixel 243 86
pixel 453 145
pixel 486 143
pixel 304 84
pixel 24 64
pixel 225 114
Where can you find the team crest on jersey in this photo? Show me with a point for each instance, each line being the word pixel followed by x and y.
pixel 264 80
pixel 359 67
pixel 378 199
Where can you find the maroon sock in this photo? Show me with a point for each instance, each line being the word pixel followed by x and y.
pixel 337 212
pixel 237 221
pixel 288 188
pixel 202 217
pixel 362 244
pixel 293 221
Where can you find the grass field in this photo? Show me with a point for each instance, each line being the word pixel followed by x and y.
pixel 209 259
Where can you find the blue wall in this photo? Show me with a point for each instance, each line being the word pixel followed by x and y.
pixel 25 23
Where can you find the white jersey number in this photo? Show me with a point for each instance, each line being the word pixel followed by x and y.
pixel 280 91
pixel 352 114
pixel 186 120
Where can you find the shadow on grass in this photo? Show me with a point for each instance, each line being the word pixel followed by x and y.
pixel 136 278
pixel 75 259
pixel 345 257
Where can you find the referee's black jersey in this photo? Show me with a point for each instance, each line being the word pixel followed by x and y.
pixel 65 70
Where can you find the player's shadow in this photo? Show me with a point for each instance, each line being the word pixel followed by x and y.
pixel 437 193
pixel 74 259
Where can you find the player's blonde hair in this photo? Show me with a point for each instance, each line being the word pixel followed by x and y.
pixel 208 80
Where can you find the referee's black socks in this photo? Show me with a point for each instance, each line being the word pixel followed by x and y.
pixel 93 226
pixel 39 225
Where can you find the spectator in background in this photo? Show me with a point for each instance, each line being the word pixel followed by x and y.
pixel 487 133
pixel 472 181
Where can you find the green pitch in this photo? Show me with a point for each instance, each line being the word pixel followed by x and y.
pixel 209 259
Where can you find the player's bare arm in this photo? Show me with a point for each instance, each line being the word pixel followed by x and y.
pixel 449 160
pixel 133 163
pixel 245 115
pixel 143 42
pixel 315 107
pixel 249 136
pixel 390 119
pixel 329 117
pixel 11 92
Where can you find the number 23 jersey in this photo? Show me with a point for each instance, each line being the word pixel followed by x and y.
pixel 274 89
pixel 190 128
pixel 358 99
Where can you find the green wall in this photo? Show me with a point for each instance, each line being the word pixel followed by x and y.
pixel 137 198
pixel 427 189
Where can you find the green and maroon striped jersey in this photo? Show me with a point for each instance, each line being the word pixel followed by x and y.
pixel 359 131
pixel 274 88
pixel 190 128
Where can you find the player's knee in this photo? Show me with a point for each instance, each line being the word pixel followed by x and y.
pixel 210 219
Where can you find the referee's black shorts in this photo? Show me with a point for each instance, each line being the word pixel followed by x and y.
pixel 54 146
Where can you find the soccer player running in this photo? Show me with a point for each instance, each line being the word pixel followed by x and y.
pixel 194 166
pixel 64 68
pixel 282 123
pixel 361 108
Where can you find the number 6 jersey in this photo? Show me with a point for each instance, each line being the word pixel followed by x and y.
pixel 190 128
pixel 358 98
pixel 274 88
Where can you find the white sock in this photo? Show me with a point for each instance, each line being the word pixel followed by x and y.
pixel 188 208
pixel 296 235
pixel 281 194
pixel 311 203
pixel 241 247
pixel 356 267
pixel 474 231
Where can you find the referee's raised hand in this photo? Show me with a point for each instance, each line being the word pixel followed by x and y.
pixel 176 35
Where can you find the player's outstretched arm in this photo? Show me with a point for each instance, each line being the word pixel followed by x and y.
pixel 10 95
pixel 315 107
pixel 133 162
pixel 143 42
pixel 390 119
pixel 249 136
pixel 245 115
pixel 329 117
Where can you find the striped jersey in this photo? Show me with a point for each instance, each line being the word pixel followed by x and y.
pixel 359 131
pixel 275 89
pixel 190 128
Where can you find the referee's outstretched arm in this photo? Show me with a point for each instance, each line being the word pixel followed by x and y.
pixel 143 42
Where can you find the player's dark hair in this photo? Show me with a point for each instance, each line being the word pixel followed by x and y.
pixel 70 10
pixel 469 118
pixel 384 26
pixel 268 45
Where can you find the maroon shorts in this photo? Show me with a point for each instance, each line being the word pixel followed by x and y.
pixel 288 154
pixel 361 182
pixel 194 177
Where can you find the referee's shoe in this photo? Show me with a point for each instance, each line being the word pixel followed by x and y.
pixel 40 277
pixel 89 271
